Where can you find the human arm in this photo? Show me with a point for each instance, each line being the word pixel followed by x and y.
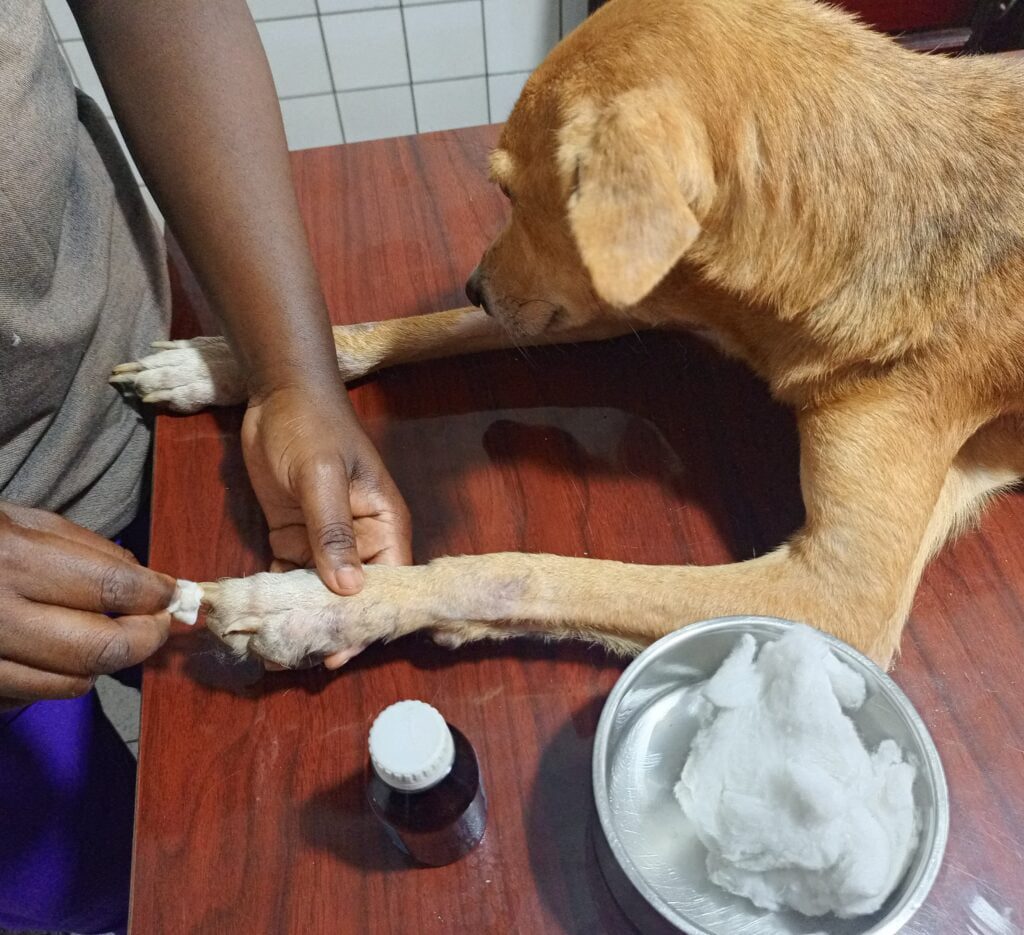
pixel 192 92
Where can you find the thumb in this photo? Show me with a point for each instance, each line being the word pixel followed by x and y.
pixel 323 495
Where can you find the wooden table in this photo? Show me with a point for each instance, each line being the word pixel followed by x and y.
pixel 251 814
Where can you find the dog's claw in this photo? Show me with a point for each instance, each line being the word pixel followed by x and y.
pixel 160 396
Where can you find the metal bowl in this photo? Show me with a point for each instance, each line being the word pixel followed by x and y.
pixel 649 852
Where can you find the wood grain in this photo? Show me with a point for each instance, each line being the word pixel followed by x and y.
pixel 251 810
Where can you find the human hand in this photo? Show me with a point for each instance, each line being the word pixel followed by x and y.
pixel 324 490
pixel 57 582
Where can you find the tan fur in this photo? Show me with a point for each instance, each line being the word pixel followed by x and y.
pixel 846 216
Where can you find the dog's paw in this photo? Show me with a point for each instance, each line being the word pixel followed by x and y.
pixel 185 376
pixel 292 618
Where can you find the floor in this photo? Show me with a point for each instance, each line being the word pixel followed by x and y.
pixel 122 705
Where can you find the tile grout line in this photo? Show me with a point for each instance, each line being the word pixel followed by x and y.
pixel 408 65
pixel 365 9
pixel 284 19
pixel 390 6
pixel 330 69
pixel 487 76
pixel 403 84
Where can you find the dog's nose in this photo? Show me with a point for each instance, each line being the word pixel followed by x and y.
pixel 474 290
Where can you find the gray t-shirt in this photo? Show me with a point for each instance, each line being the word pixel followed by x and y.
pixel 83 286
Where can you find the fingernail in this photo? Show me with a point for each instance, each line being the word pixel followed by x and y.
pixel 349 578
pixel 337 660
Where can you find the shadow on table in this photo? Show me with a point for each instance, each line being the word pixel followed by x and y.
pixel 664 413
pixel 559 828
pixel 204 660
pixel 207 662
pixel 337 820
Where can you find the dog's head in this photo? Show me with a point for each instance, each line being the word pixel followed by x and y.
pixel 608 184
pixel 732 136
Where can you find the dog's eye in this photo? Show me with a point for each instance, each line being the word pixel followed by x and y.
pixel 506 192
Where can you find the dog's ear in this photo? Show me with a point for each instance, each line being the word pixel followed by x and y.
pixel 636 171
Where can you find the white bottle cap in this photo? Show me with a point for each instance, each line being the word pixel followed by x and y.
pixel 411 747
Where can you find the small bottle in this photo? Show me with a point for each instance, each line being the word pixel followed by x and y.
pixel 425 784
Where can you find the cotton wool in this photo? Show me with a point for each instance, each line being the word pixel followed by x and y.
pixel 792 808
pixel 186 601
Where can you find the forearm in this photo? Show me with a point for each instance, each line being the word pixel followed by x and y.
pixel 192 91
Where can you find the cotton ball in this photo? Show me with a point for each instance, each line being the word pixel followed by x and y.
pixel 184 606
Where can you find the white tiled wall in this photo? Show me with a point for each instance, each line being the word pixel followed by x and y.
pixel 350 70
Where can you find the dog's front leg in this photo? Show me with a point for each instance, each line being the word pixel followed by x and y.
pixel 292 617
pixel 364 348
pixel 190 375
pixel 872 472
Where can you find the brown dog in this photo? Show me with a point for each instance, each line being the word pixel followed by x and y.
pixel 845 216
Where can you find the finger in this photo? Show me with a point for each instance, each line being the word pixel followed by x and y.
pixel 384 541
pixel 290 545
pixel 338 659
pixel 383 524
pixel 43 521
pixel 52 570
pixel 323 495
pixel 270 666
pixel 20 684
pixel 280 565
pixel 76 643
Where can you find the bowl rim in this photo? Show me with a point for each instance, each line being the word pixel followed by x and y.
pixel 932 765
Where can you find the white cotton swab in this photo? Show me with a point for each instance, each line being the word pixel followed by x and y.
pixel 184 606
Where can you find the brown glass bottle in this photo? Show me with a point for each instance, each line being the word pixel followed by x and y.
pixel 425 784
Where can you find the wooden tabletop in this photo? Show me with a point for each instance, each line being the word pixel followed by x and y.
pixel 251 807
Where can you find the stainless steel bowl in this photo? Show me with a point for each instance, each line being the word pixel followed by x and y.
pixel 648 850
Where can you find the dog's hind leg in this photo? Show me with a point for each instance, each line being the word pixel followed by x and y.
pixel 186 376
pixel 990 462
